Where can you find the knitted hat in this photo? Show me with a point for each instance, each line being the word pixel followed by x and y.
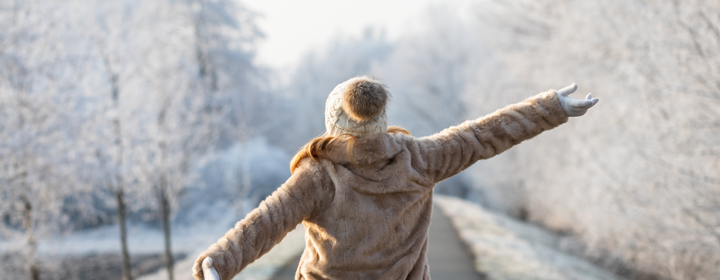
pixel 356 107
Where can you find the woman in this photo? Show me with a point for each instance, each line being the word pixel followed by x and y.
pixel 364 191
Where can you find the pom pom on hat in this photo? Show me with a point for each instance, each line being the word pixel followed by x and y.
pixel 364 98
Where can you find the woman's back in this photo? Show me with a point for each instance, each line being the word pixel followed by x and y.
pixel 376 224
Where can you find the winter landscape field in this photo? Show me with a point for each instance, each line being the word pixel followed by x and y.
pixel 134 133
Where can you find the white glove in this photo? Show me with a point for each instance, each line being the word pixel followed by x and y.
pixel 209 272
pixel 575 107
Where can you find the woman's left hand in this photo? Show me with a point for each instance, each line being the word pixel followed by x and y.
pixel 575 107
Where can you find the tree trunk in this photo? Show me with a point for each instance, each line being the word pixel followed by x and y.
pixel 126 272
pixel 242 196
pixel 33 268
pixel 119 194
pixel 163 192
pixel 166 226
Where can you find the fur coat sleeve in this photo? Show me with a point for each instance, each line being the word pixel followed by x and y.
pixel 450 151
pixel 300 197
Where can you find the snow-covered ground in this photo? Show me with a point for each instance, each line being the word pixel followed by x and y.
pixel 142 239
pixel 505 248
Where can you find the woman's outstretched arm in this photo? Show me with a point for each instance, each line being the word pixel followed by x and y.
pixel 454 149
pixel 301 197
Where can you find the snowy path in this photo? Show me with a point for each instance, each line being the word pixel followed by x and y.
pixel 448 256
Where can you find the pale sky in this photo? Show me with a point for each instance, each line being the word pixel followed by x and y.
pixel 293 27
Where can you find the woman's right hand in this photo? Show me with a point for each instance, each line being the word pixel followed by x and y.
pixel 208 272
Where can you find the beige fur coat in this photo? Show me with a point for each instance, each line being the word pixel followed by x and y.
pixel 370 220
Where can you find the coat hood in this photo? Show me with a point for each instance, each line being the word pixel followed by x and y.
pixel 367 150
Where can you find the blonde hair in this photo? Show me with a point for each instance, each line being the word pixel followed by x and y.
pixel 312 149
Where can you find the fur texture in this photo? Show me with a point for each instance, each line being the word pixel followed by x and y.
pixel 364 99
pixel 370 220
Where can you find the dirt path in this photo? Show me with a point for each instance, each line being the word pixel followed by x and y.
pixel 449 257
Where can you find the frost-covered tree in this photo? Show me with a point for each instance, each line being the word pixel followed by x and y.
pixel 235 90
pixel 112 37
pixel 649 153
pixel 39 103
pixel 224 35
pixel 118 100
pixel 205 92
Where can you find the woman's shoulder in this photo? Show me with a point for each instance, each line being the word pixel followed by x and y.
pixel 309 164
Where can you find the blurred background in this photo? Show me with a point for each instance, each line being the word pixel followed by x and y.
pixel 127 123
